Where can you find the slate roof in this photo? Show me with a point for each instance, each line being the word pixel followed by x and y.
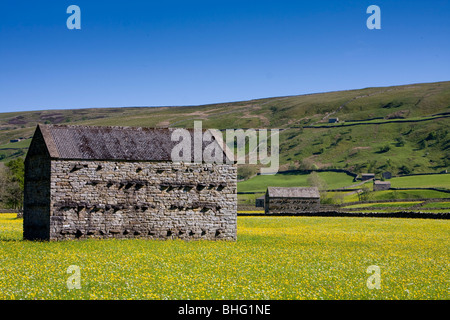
pixel 110 143
pixel 381 182
pixel 293 192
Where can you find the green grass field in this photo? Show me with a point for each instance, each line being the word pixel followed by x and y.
pixel 273 258
pixel 445 205
pixel 392 195
pixel 422 181
pixel 14 149
pixel 260 183
pixel 405 204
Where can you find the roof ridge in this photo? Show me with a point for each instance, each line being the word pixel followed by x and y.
pixel 117 142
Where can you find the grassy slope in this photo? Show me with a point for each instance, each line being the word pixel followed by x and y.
pixel 274 258
pixel 260 183
pixel 339 180
pixel 422 181
pixel 356 148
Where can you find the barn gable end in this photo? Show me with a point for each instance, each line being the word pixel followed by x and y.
pixel 36 222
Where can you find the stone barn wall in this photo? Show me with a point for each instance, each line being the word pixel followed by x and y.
pixel 291 205
pixel 381 186
pixel 159 200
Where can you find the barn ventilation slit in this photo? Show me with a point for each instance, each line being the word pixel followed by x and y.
pixel 76 168
pixel 78 234
pixel 139 186
pixel 128 186
pixel 200 187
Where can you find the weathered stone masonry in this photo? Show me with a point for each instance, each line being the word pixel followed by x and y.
pixel 142 199
pixel 90 198
pixel 294 200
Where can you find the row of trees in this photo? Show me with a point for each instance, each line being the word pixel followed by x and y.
pixel 12 184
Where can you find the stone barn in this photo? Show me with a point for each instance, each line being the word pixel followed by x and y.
pixel 333 120
pixel 120 182
pixel 293 200
pixel 381 185
pixel 367 176
pixel 386 175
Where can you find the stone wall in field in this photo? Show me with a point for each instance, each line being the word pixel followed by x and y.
pixel 159 200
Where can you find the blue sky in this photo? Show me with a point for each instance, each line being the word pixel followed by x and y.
pixel 163 53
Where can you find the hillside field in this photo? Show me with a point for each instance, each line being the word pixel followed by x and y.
pixel 273 258
pixel 401 129
pixel 333 180
pixel 260 183
pixel 338 180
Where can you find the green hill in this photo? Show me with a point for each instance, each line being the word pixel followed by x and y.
pixel 402 129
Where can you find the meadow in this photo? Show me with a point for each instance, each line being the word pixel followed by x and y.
pixel 334 180
pixel 273 258
pixel 422 181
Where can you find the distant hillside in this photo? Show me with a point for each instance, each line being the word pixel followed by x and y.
pixel 402 129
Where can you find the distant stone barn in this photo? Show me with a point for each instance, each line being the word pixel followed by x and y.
pixel 120 182
pixel 381 185
pixel 295 200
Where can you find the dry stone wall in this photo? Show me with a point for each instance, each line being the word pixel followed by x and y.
pixel 158 200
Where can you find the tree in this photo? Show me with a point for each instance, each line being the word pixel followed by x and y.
pixel 245 172
pixel 12 184
pixel 399 141
pixel 404 169
pixel 314 180
pixel 384 149
pixel 423 144
pixel 365 194
pixel 3 182
pixel 17 171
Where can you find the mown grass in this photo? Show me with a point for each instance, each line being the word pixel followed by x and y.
pixel 422 181
pixel 437 205
pixel 399 195
pixel 402 204
pixel 274 258
pixel 334 180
